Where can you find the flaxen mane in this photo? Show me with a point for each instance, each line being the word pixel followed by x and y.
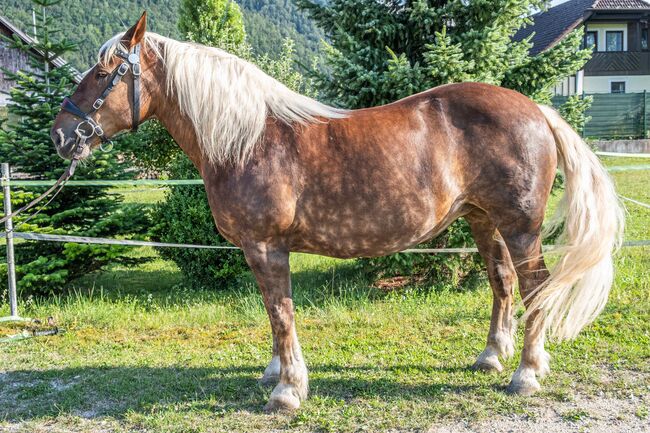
pixel 226 98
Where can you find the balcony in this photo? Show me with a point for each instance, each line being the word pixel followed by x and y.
pixel 618 63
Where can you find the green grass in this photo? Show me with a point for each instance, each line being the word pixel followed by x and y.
pixel 142 352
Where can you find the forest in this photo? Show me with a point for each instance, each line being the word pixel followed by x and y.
pixel 267 22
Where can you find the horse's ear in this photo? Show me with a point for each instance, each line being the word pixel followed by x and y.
pixel 135 34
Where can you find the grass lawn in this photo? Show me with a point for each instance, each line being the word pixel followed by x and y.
pixel 143 353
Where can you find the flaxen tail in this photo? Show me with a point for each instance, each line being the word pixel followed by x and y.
pixel 591 220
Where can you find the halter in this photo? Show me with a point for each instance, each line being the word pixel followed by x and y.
pixel 131 61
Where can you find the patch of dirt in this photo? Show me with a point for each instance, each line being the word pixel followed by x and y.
pixel 390 284
pixel 586 414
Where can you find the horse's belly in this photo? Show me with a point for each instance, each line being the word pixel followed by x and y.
pixel 338 233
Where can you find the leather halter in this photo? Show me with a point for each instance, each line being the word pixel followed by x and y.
pixel 131 61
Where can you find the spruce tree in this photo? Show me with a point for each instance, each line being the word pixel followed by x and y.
pixel 381 51
pixel 35 97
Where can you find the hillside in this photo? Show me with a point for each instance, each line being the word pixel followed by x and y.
pixel 91 22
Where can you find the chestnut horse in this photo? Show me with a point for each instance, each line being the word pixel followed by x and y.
pixel 285 173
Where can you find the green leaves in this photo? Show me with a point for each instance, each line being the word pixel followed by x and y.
pixel 446 61
pixel 211 22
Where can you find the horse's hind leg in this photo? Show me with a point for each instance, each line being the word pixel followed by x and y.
pixel 270 265
pixel 501 274
pixel 524 245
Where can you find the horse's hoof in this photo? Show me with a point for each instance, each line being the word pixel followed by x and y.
pixel 269 380
pixel 486 366
pixel 282 404
pixel 524 387
pixel 488 362
pixel 284 398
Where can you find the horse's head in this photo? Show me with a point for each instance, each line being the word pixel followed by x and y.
pixel 109 98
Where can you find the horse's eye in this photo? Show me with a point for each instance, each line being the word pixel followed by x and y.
pixel 102 74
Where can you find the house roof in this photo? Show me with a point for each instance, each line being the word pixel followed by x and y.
pixel 56 62
pixel 551 26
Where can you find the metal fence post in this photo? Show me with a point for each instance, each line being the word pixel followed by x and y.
pixel 9 235
pixel 644 133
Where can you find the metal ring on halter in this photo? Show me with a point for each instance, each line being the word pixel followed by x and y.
pixel 106 146
pixel 81 133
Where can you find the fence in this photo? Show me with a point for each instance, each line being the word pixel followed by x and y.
pixel 10 234
pixel 616 115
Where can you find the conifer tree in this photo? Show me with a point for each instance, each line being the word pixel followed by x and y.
pixel 381 51
pixel 35 97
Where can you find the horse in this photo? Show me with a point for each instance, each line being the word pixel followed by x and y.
pixel 284 173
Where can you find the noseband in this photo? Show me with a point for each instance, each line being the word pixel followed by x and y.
pixel 131 61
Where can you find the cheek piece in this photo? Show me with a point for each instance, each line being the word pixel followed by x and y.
pixel 88 126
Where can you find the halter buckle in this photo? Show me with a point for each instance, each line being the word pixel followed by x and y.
pixel 98 103
pixel 98 130
pixel 123 69
pixel 136 69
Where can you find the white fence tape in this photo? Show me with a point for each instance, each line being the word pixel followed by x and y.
pixel 108 241
pixel 635 201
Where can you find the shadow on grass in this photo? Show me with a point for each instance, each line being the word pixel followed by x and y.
pixel 319 283
pixel 312 286
pixel 92 392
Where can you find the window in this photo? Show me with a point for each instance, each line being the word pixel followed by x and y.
pixel 614 41
pixel 591 40
pixel 644 39
pixel 617 87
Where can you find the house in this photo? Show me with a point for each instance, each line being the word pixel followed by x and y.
pixel 15 60
pixel 617 30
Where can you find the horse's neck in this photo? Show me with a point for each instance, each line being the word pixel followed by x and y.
pixel 168 112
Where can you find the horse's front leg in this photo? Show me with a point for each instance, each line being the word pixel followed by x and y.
pixel 270 264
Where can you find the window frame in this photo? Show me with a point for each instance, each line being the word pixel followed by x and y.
pixel 612 82
pixel 595 33
pixel 620 32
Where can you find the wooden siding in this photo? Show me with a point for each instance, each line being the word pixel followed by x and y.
pixel 618 63
pixel 14 60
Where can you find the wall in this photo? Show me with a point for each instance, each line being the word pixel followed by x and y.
pixel 633 83
pixel 623 146
pixel 601 28
pixel 13 60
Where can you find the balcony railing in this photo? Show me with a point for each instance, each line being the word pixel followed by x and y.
pixel 618 63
